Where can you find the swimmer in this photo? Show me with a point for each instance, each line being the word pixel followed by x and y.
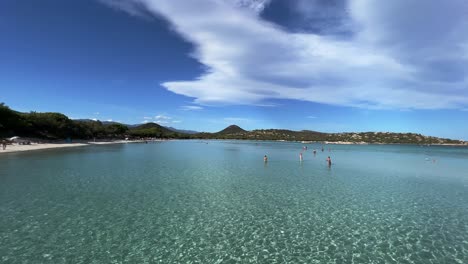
pixel 322 148
pixel 315 152
pixel 265 158
pixel 329 161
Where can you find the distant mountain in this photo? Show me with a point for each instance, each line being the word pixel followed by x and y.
pixel 173 129
pixel 56 126
pixel 155 130
pixel 110 123
pixel 190 132
pixel 102 122
pixel 151 127
pixel 85 120
pixel 231 130
pixel 235 132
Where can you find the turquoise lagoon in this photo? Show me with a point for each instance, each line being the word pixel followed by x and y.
pixel 218 202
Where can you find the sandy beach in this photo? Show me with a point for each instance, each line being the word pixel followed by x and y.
pixel 38 146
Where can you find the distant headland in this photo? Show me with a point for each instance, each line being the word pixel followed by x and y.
pixel 58 127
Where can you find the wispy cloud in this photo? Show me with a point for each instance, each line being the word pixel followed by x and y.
pixel 161 119
pixel 254 5
pixel 419 60
pixel 191 107
pixel 312 117
pixel 237 120
pixel 134 7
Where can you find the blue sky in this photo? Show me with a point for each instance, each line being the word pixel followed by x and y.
pixel 204 64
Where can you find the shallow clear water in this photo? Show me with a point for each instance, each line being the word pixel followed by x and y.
pixel 192 202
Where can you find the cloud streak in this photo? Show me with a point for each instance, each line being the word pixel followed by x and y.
pixel 237 120
pixel 191 107
pixel 161 119
pixel 418 61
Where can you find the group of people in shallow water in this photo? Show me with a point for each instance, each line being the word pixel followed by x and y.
pixel 301 158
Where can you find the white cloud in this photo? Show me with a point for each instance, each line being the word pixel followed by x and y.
pixel 402 54
pixel 162 117
pixel 134 8
pixel 94 119
pixel 109 120
pixel 255 5
pixel 191 107
pixel 312 117
pixel 237 120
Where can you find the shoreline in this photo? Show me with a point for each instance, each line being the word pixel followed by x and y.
pixel 14 148
pixel 335 142
pixel 42 146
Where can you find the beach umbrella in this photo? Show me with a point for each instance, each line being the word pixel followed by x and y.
pixel 13 138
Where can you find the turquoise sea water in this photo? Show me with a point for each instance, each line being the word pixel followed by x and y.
pixel 193 202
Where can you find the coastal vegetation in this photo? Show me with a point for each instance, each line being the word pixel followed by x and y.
pixel 235 132
pixel 56 126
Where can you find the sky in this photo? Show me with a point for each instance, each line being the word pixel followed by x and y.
pixel 323 65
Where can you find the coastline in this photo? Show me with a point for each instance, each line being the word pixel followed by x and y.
pixel 41 146
pixel 379 143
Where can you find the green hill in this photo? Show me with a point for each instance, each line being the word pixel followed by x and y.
pixel 56 126
pixel 231 130
pixel 235 132
pixel 154 130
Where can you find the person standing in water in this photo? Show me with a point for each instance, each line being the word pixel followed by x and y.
pixel 322 148
pixel 329 162
pixel 315 152
pixel 265 158
pixel 300 156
